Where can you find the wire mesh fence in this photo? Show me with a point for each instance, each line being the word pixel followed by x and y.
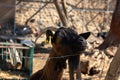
pixel 82 13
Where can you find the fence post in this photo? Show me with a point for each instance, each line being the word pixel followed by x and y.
pixel 31 60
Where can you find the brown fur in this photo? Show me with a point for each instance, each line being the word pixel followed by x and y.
pixel 52 70
pixel 65 42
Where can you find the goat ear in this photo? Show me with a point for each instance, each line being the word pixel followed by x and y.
pixel 85 35
pixel 49 33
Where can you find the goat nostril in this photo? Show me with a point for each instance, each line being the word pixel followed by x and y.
pixel 82 42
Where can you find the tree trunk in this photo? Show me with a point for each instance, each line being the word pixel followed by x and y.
pixel 114 69
pixel 113 37
pixel 61 12
pixel 64 8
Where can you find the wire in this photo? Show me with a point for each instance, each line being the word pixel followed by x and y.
pixel 43 58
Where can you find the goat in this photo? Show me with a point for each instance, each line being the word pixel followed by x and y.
pixel 65 42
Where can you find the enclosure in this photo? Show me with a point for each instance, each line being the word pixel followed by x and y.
pixel 83 15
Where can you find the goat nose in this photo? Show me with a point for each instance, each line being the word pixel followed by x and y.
pixel 83 42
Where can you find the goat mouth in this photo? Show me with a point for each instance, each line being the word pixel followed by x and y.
pixel 80 49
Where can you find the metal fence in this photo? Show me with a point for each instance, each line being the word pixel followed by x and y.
pixel 82 13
